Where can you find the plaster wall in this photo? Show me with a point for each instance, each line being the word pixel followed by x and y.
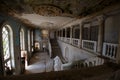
pixel 112 28
pixel 15 25
pixel 74 53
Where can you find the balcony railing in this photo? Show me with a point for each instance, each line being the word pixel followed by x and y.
pixel 89 45
pixel 75 42
pixel 110 50
pixel 62 38
pixel 68 40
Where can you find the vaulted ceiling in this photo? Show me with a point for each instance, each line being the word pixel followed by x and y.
pixel 51 13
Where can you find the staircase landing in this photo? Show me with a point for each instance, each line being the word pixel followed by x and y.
pixel 40 62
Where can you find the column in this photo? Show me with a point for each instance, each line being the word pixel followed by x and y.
pixel 61 34
pixel 118 50
pixel 56 34
pixel 100 34
pixel 71 35
pixel 81 27
pixel 65 38
pixel 1 54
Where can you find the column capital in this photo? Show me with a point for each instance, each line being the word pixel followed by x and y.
pixel 71 26
pixel 101 18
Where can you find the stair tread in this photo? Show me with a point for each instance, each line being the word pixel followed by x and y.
pixel 102 72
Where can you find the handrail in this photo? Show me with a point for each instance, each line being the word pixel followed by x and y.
pixel 89 62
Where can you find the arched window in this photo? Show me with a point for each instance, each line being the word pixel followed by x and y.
pixel 32 43
pixel 8 54
pixel 29 43
pixel 76 31
pixel 68 32
pixel 22 39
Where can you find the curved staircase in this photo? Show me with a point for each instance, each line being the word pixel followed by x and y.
pixel 56 51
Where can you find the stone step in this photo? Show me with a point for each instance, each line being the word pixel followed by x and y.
pixel 56 50
pixel 103 72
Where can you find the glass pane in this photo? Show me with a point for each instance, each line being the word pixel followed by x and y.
pixel 8 64
pixel 5 40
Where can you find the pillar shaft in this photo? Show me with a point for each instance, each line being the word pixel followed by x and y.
pixel 100 34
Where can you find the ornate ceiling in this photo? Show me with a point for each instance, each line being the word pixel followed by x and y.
pixel 53 8
pixel 47 10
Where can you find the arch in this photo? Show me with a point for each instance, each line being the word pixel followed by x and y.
pixel 90 64
pixel 85 65
pixel 24 55
pixel 29 41
pixel 7 47
pixel 82 65
pixel 32 42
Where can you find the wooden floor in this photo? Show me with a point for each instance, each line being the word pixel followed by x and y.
pixel 39 63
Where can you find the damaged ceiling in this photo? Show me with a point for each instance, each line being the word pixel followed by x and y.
pixel 51 13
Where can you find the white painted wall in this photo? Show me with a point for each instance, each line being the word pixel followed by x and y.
pixel 112 28
pixel 74 52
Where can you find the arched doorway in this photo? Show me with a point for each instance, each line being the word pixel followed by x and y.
pixel 8 52
pixel 23 51
pixel 22 40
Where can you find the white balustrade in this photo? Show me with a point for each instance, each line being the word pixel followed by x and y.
pixel 89 45
pixel 110 50
pixel 68 40
pixel 64 39
pixel 90 62
pixel 75 42
pixel 94 61
pixel 59 38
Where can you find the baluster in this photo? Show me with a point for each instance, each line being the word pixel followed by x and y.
pixel 112 51
pixel 92 46
pixel 106 49
pixel 115 52
pixel 85 44
pixel 88 45
pixel 77 42
pixel 109 50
